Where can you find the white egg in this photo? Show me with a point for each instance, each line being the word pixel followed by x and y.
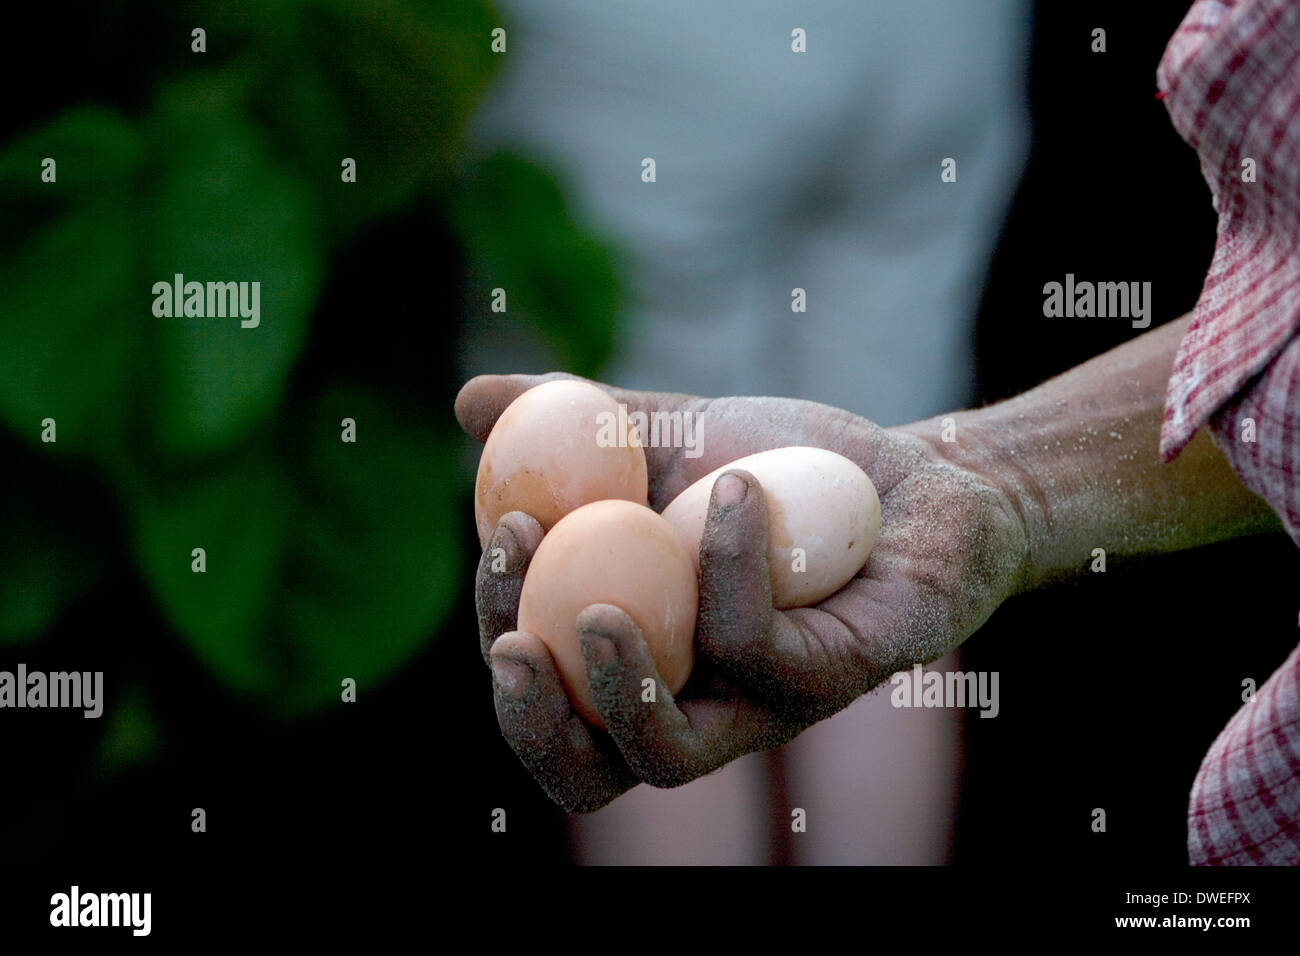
pixel 823 519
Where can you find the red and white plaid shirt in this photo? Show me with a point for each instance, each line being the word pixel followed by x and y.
pixel 1231 82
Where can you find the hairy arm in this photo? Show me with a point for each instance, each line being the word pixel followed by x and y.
pixel 1078 457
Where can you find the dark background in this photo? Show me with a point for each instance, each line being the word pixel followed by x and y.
pixel 1134 672
pixel 1130 674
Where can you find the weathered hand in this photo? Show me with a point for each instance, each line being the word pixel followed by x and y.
pixel 952 547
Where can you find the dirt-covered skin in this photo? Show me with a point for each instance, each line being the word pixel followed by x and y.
pixel 975 506
pixel 952 547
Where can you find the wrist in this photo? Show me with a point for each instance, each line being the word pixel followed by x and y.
pixel 968 442
pixel 1077 461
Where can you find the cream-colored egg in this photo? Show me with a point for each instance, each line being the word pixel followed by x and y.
pixel 823 519
pixel 556 447
pixel 612 552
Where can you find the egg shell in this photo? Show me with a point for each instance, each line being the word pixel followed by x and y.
pixel 556 447
pixel 612 552
pixel 817 500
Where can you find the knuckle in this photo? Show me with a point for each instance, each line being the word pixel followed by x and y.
pixel 577 802
pixel 665 772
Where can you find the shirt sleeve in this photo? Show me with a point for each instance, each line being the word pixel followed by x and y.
pixel 1245 802
pixel 1230 78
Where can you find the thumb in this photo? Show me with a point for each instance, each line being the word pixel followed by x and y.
pixel 735 584
pixel 738 630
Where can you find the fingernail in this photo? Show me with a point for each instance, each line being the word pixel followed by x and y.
pixel 598 649
pixel 512 554
pixel 731 490
pixel 512 678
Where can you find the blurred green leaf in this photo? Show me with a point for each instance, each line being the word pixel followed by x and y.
pixel 225 212
pixel 325 560
pixel 236 513
pixel 43 565
pixel 95 150
pixel 132 735
pixel 66 340
pixel 390 84
pixel 377 556
pixel 331 560
pixel 521 238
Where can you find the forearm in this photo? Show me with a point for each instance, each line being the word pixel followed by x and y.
pixel 1078 458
